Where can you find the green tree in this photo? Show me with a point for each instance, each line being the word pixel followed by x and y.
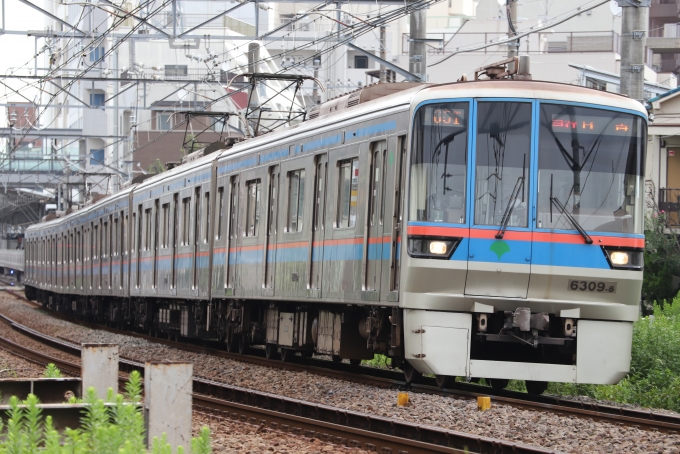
pixel 662 258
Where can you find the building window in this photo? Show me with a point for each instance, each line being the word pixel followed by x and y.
pixel 163 122
pixel 176 70
pixel 97 157
pixel 96 99
pixel 296 197
pixel 348 185
pixel 360 62
pixel 253 207
pixel 96 53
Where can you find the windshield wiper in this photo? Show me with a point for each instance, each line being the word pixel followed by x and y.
pixel 519 185
pixel 574 222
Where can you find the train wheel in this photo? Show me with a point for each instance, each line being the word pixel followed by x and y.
pixel 410 374
pixel 536 387
pixel 337 359
pixel 270 351
pixel 498 383
pixel 230 344
pixel 355 362
pixel 287 354
pixel 243 345
pixel 445 381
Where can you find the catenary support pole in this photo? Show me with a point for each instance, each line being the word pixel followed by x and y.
pixel 633 37
pixel 417 61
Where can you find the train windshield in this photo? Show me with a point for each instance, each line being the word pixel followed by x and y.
pixel 590 165
pixel 439 163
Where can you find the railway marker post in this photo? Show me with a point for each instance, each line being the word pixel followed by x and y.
pixel 99 368
pixel 167 402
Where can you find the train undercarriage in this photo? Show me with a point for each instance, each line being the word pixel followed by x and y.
pixel 349 332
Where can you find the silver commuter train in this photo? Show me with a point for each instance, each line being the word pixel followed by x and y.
pixel 478 229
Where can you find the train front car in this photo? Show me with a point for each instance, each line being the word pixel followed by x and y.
pixel 524 233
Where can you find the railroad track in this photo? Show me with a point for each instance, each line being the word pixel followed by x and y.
pixel 390 379
pixel 335 425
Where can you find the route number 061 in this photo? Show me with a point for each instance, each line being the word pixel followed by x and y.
pixel 592 286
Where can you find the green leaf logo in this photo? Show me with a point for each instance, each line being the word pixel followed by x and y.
pixel 499 248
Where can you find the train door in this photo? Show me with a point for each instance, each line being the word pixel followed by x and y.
pixel 221 233
pixel 233 235
pixel 318 228
pixel 499 251
pixel 250 249
pixel 203 243
pixel 373 245
pixel 397 221
pixel 270 239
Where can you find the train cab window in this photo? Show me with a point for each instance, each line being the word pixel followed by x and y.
pixel 348 185
pixel 296 199
pixel 590 166
pixel 220 212
pixel 439 163
pixel 253 207
pixel 502 166
pixel 186 218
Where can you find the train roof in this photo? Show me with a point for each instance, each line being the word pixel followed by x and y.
pixel 411 97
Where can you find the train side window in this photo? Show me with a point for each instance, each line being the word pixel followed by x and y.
pixel 186 216
pixel 296 198
pixel 206 210
pixel 348 181
pixel 123 231
pixel 165 240
pixel 147 229
pixel 220 212
pixel 273 183
pixel 232 211
pixel 253 207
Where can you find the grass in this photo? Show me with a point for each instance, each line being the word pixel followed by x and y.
pixel 654 379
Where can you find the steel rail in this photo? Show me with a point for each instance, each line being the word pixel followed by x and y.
pixel 645 419
pixel 343 427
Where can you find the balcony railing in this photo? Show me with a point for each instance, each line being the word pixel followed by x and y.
pixel 669 202
pixel 538 43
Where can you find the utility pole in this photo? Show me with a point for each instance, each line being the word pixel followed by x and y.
pixel 417 53
pixel 383 54
pixel 633 36
pixel 513 47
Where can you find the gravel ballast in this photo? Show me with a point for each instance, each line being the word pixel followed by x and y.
pixel 566 434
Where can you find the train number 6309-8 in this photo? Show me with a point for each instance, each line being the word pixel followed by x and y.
pixel 592 286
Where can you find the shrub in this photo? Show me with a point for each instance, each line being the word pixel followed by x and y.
pixel 116 427
pixel 654 379
pixel 52 371
pixel 662 259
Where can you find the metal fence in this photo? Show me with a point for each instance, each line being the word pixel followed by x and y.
pixel 14 259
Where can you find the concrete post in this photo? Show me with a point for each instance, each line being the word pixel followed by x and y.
pixel 167 402
pixel 99 368
pixel 633 37
pixel 417 53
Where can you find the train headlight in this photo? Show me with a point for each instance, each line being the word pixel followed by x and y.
pixel 432 248
pixel 619 258
pixel 438 247
pixel 626 259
